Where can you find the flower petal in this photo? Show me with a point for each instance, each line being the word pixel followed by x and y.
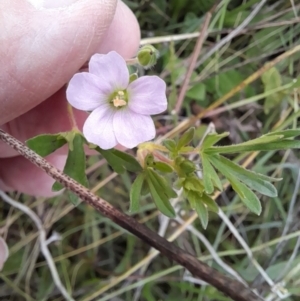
pixel 110 68
pixel 147 95
pixel 86 92
pixel 98 127
pixel 132 129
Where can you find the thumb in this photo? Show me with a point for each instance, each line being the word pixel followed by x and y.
pixel 43 43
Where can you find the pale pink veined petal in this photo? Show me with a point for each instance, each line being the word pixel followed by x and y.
pixel 110 68
pixel 98 128
pixel 147 95
pixel 132 129
pixel 3 252
pixel 86 92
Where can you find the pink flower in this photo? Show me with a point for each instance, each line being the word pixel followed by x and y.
pixel 120 110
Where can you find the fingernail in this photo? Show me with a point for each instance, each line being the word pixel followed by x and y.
pixel 51 3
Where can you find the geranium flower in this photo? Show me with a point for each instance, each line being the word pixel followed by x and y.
pixel 120 110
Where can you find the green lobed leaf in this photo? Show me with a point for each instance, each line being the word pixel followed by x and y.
pixel 247 196
pixel 291 133
pixel 46 144
pixel 210 177
pixel 212 138
pixel 239 148
pixel 163 167
pixel 210 203
pixel 120 161
pixel 186 138
pixel 253 180
pixel 135 192
pixel 196 203
pixel 170 144
pixel 162 184
pixel 75 164
pixel 160 199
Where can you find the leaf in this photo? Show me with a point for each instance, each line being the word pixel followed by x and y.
pixel 135 192
pixel 186 138
pixel 170 144
pixel 291 133
pixel 162 184
pixel 238 148
pixel 212 138
pixel 46 144
pixel 76 164
pixel 197 92
pixel 210 177
pixel 120 161
pixel 160 199
pixel 247 196
pixel 196 203
pixel 163 167
pixel 253 180
pixel 210 203
pixel 187 149
pixel 272 80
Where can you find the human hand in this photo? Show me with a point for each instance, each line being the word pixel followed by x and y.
pixel 40 51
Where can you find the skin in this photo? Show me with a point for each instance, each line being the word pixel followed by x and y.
pixel 41 49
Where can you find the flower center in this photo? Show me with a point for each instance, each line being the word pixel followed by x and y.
pixel 119 99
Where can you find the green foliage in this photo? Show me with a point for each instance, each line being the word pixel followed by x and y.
pixel 75 166
pixel 198 189
pixel 46 144
pixel 120 161
pixel 272 80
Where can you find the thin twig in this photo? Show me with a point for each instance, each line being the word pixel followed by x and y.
pixel 234 289
pixel 194 57
pixel 43 242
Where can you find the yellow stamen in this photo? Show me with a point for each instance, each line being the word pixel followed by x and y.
pixel 119 102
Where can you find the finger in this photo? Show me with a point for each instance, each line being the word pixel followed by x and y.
pixel 51 115
pixel 42 48
pixel 26 177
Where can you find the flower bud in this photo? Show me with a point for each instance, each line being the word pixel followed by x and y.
pixel 147 56
pixel 133 77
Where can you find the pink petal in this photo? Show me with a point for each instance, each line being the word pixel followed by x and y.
pixel 3 252
pixel 110 68
pixel 98 128
pixel 86 92
pixel 132 129
pixel 147 95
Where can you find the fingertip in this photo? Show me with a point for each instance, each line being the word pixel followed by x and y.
pixel 127 42
pixel 20 174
